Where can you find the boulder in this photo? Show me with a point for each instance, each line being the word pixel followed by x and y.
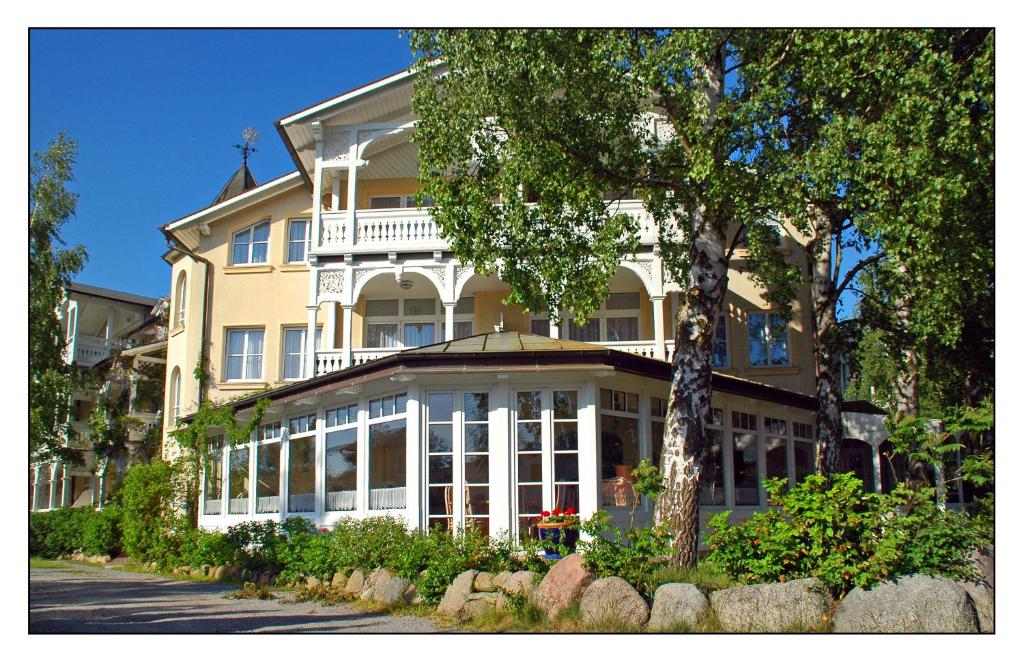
pixel 917 603
pixel 563 585
pixel 770 607
pixel 501 579
pixel 455 597
pixel 613 599
pixel 339 580
pixel 392 592
pixel 523 581
pixel 211 571
pixel 484 582
pixel 356 582
pixel 313 583
pixel 267 578
pixel 411 596
pixel 477 604
pixel 677 604
pixel 197 572
pixel 376 581
pixel 220 573
pixel 982 590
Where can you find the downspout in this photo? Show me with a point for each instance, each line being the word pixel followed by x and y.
pixel 175 245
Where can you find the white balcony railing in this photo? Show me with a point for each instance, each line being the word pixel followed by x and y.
pixel 645 348
pixel 90 350
pixel 334 359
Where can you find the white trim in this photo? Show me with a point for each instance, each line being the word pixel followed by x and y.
pixel 348 96
pixel 251 196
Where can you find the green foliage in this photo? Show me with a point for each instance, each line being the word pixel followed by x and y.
pixel 58 532
pixel 636 555
pixel 148 519
pixel 844 536
pixel 51 268
pixel 102 533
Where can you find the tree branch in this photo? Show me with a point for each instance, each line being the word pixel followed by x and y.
pixel 856 269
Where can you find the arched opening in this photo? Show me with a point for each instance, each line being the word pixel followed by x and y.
pixel 179 300
pixel 855 455
pixel 481 308
pixel 624 317
pixel 391 315
pixel 175 396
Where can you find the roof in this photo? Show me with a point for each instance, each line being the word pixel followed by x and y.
pixel 514 351
pixel 239 183
pixel 115 295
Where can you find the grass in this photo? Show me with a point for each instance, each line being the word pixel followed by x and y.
pixel 251 591
pixel 324 594
pixel 38 563
pixel 705 576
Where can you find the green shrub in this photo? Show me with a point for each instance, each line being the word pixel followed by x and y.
pixel 255 544
pixel 102 533
pixel 636 555
pixel 58 532
pixel 844 536
pixel 148 519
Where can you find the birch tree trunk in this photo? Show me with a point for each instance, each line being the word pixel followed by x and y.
pixel 690 396
pixel 908 387
pixel 827 348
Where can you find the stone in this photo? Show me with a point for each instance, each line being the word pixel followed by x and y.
pixel 356 582
pixel 770 607
pixel 563 585
pixel 312 583
pixel 613 599
pixel 378 579
pixel 523 581
pixel 211 571
pixel 197 572
pixel 484 582
pixel 917 603
pixel 267 578
pixel 677 604
pixel 220 573
pixel 501 579
pixel 455 597
pixel 392 592
pixel 339 580
pixel 982 590
pixel 411 595
pixel 478 604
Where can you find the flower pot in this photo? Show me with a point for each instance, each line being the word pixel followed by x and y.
pixel 558 533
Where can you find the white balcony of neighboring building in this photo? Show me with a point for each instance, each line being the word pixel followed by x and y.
pixel 90 350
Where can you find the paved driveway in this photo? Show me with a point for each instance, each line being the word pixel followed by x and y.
pixel 82 598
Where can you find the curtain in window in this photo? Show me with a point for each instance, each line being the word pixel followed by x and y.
pixel 254 360
pixel 293 341
pixel 260 236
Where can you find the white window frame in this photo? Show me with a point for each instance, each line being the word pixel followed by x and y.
pixel 353 424
pixel 318 345
pixel 619 413
pixel 400 321
pixel 176 394
pixel 309 433
pixel 306 245
pixel 602 315
pixel 250 229
pixel 245 353
pixel 768 340
pixel 179 300
pixel 260 438
pixel 723 319
pixel 385 418
pixel 405 201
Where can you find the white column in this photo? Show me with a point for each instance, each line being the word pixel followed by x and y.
pixel 346 336
pixel 318 174
pixel 353 161
pixel 588 457
pixel 54 487
pixel 310 335
pixel 66 493
pixel 502 488
pixel 412 456
pixel 335 190
pixel 36 501
pixel 876 465
pixel 332 321
pixel 449 320
pixel 552 327
pixel 110 327
pixel 659 326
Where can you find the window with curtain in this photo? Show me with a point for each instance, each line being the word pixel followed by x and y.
pixel 249 246
pixel 245 354
pixel 298 239
pixel 768 339
pixel 294 354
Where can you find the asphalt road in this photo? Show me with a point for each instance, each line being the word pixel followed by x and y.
pixel 79 598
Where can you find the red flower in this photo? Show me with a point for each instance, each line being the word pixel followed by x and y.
pixel 570 511
pixel 545 513
pixel 323 529
pixel 556 512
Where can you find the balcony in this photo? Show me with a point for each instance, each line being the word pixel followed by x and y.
pixel 90 350
pixel 383 230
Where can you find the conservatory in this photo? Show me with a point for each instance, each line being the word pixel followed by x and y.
pixel 487 431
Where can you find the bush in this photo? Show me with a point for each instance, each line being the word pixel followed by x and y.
pixel 102 533
pixel 59 532
pixel 844 536
pixel 636 555
pixel 148 520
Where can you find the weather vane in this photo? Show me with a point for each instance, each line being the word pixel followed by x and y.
pixel 247 146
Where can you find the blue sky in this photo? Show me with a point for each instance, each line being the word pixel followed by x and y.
pixel 156 112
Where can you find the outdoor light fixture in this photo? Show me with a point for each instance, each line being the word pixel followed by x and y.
pixel 405 284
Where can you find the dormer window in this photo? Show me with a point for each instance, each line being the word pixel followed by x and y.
pixel 249 246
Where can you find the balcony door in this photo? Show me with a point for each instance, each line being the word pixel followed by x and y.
pixel 458 460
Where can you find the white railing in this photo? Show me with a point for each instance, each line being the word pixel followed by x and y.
pixel 238 506
pixel 386 498
pixel 365 354
pixel 329 361
pixel 344 500
pixel 90 350
pixel 645 348
pixel 380 229
pixel 268 504
pixel 302 503
pixel 670 350
pixel 213 507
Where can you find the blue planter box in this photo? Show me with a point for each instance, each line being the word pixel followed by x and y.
pixel 552 537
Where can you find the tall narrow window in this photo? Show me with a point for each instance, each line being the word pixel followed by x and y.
pixel 238 480
pixel 776 454
pixel 302 464
pixel 712 473
pixel 720 350
pixel 746 481
pixel 440 456
pixel 249 246
pixel 179 301
pixel 769 341
pixel 529 459
pixel 620 447
pixel 803 450
pixel 175 396
pixel 268 468
pixel 659 412
pixel 387 443
pixel 464 311
pixel 565 447
pixel 622 321
pixel 341 457
pixel 298 239
pixel 245 354
pixel 214 488
pixel 476 454
pixel 295 352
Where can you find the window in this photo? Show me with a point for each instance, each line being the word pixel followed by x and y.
pixel 529 458
pixel 465 308
pixel 618 320
pixel 620 401
pixel 413 322
pixel 659 412
pixel 398 201
pixel 176 396
pixel 341 458
pixel 769 343
pixel 249 246
pixel 294 354
pixel 476 458
pixel 540 326
pixel 302 464
pixel 776 454
pixel 268 468
pixel 298 239
pixel 712 472
pixel 440 455
pixel 803 450
pixel 179 301
pixel 387 452
pixel 620 449
pixel 238 480
pixel 746 481
pixel 245 354
pixel 214 483
pixel 720 347
pixel 547 453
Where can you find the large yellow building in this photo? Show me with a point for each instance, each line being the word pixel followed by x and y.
pixel 400 383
